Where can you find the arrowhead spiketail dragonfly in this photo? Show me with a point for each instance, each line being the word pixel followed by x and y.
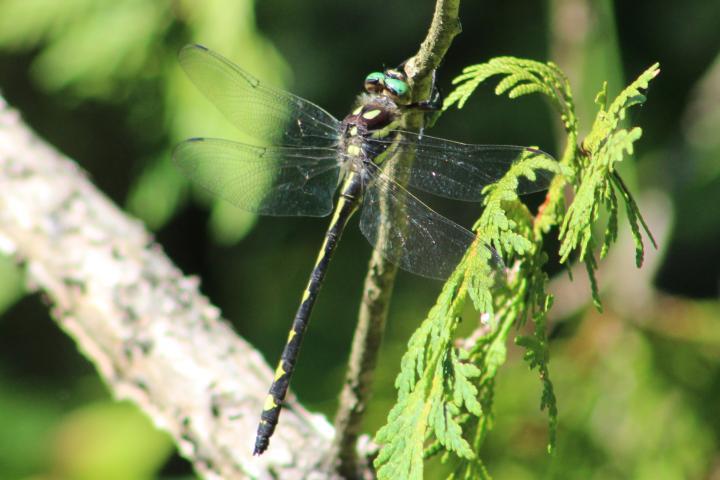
pixel 304 155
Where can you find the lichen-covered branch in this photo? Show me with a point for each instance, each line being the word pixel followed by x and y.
pixel 153 338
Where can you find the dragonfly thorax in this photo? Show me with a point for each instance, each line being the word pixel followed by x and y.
pixel 375 118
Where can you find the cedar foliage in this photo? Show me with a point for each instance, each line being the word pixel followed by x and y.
pixel 446 385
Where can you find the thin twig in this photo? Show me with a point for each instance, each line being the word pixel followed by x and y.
pixel 380 278
pixel 445 26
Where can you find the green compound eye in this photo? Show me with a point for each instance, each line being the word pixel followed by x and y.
pixel 375 77
pixel 374 82
pixel 397 87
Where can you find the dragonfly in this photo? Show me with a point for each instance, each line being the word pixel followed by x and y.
pixel 304 155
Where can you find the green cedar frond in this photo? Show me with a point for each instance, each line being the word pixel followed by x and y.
pixel 521 77
pixel 634 216
pixel 438 381
pixel 470 471
pixel 591 268
pixel 604 147
pixel 538 356
pixel 608 118
pixel 611 230
pixel 446 385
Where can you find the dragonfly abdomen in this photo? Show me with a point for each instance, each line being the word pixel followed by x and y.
pixel 347 204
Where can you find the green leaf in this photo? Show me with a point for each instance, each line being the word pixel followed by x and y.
pixel 521 77
pixel 436 390
pixel 403 437
pixel 604 147
pixel 446 391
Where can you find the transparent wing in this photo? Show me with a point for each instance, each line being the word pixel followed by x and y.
pixel 289 181
pixel 264 112
pixel 418 240
pixel 458 170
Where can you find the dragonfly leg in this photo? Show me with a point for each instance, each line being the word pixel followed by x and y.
pixel 430 107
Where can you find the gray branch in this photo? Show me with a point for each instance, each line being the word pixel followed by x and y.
pixel 154 339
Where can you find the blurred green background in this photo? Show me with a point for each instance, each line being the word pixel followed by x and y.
pixel 637 386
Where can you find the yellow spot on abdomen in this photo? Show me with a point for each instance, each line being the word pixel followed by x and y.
pixel 353 131
pixel 269 403
pixel 353 150
pixel 291 335
pixel 279 371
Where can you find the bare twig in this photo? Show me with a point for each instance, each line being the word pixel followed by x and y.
pixel 445 26
pixel 152 336
pixel 380 278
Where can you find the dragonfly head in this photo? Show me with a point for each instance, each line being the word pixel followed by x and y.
pixel 391 83
pixel 375 82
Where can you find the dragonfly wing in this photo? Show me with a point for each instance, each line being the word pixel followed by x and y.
pixel 418 239
pixel 289 181
pixel 458 170
pixel 264 112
